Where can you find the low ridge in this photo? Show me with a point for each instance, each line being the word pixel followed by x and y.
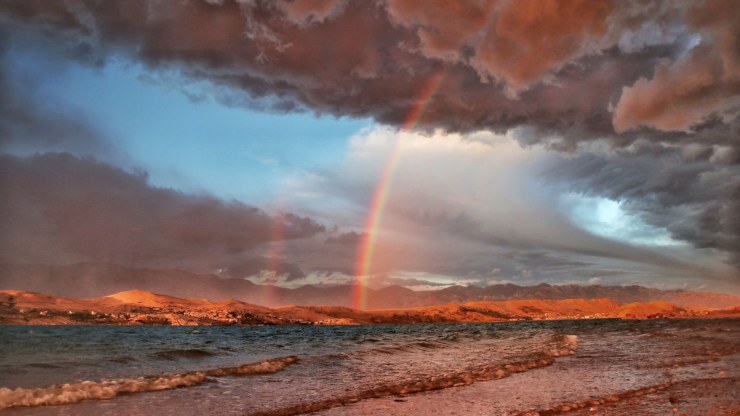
pixel 135 307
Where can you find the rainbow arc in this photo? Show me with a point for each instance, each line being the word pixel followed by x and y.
pixel 374 218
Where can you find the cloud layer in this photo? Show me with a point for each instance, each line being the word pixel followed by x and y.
pixel 574 70
pixel 681 190
pixel 58 208
pixel 641 99
pixel 482 207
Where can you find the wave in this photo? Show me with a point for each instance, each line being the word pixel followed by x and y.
pixel 60 364
pixel 565 345
pixel 410 347
pixel 594 403
pixel 43 365
pixel 193 353
pixel 108 389
pixel 124 359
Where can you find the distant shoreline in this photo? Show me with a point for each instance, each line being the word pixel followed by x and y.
pixel 145 308
pixel 210 325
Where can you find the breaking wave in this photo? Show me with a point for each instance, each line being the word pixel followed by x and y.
pixel 192 353
pixel 108 389
pixel 564 346
pixel 411 347
pixel 594 403
pixel 447 341
pixel 559 346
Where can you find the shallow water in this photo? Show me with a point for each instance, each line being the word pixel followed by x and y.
pixel 293 369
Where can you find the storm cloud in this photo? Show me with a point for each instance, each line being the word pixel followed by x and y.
pixel 482 207
pixel 693 192
pixel 58 208
pixel 627 101
pixel 29 124
pixel 573 70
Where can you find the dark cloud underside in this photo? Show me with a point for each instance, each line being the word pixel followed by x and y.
pixel 659 82
pixel 60 208
pixel 574 69
pixel 684 192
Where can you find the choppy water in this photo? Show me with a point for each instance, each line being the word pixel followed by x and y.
pixel 88 370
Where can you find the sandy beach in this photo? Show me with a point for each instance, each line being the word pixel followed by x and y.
pixel 645 380
pixel 649 367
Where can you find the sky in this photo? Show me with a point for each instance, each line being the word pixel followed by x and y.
pixel 424 144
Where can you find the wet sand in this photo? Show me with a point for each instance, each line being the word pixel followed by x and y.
pixel 660 367
pixel 650 374
pixel 716 396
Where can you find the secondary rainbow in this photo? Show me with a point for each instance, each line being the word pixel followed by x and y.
pixel 366 249
pixel 274 255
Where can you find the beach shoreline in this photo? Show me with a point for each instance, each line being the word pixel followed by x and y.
pixel 581 384
pixel 145 308
pixel 617 367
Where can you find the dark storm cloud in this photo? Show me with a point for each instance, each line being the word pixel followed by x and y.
pixel 571 69
pixel 684 190
pixel 30 124
pixel 457 203
pixel 658 81
pixel 704 82
pixel 571 240
pixel 60 208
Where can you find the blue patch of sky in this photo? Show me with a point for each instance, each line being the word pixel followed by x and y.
pixel 608 218
pixel 192 145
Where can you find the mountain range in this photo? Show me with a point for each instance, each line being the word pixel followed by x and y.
pixel 138 307
pixel 93 280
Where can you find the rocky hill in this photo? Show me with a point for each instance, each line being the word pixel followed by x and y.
pixel 97 280
pixel 137 307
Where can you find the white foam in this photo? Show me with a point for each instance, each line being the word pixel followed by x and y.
pixel 108 389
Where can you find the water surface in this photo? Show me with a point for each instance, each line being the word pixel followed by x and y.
pixel 291 369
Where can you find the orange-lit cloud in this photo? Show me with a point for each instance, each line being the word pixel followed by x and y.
pixel 579 70
pixel 514 42
pixel 58 208
pixel 689 89
pixel 653 86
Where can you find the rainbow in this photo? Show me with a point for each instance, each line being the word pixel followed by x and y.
pixel 366 249
pixel 275 252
